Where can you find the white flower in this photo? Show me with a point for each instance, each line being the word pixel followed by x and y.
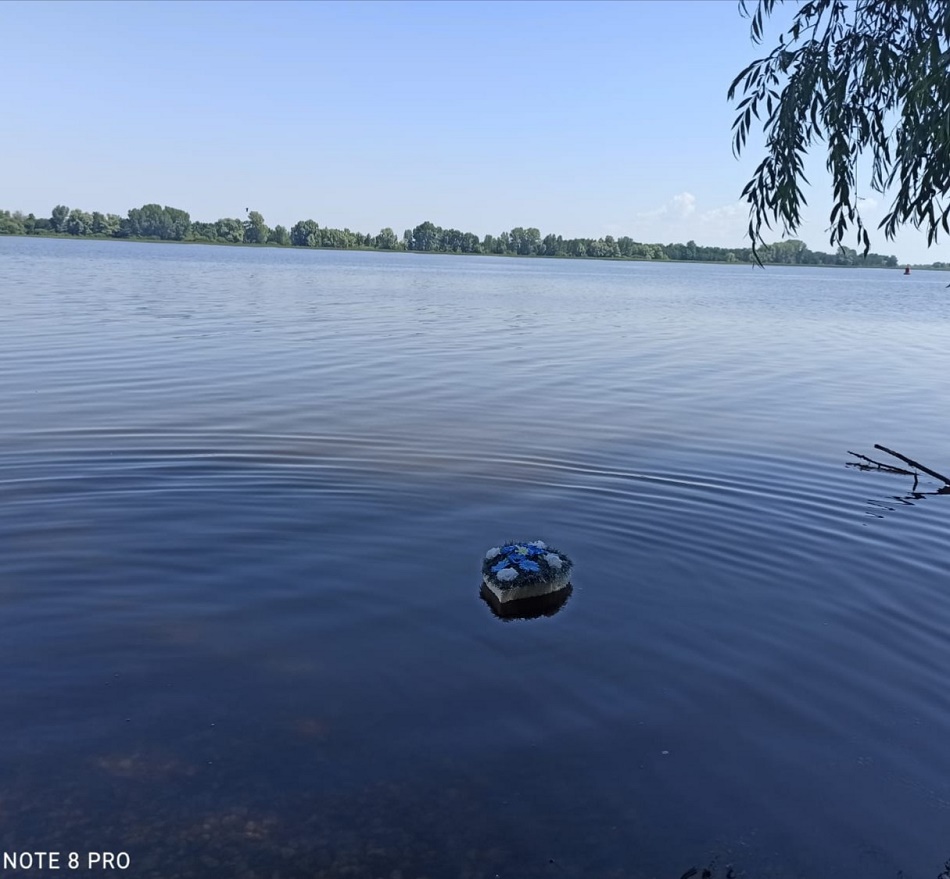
pixel 553 560
pixel 494 551
pixel 506 574
pixel 540 544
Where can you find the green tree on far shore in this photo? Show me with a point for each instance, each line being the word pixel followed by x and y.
pixel 152 221
pixel 255 229
pixel 155 221
pixel 280 236
pixel 387 240
pixel 58 218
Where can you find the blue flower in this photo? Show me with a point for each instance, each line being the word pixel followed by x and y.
pixel 516 551
pixel 528 558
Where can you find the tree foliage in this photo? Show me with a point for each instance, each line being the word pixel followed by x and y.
pixel 280 236
pixel 387 240
pixel 155 221
pixel 255 229
pixel 870 79
pixel 171 224
pixel 58 218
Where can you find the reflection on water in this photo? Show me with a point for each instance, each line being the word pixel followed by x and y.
pixel 527 608
pixel 245 498
pixel 879 507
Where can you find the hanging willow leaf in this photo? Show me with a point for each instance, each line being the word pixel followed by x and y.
pixel 867 79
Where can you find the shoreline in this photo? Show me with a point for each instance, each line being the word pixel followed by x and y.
pixel 66 236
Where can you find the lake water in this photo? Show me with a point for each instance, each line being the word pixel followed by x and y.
pixel 245 499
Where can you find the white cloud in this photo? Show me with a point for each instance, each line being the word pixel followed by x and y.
pixel 679 206
pixel 728 213
pixel 682 218
pixel 684 204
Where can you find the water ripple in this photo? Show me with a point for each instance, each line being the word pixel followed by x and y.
pixel 245 496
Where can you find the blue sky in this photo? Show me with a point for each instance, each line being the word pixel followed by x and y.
pixel 579 118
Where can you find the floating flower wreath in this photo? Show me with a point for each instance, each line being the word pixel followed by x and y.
pixel 525 564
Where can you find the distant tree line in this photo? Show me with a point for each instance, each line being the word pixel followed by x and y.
pixel 154 222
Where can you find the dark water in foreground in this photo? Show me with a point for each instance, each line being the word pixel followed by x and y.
pixel 245 496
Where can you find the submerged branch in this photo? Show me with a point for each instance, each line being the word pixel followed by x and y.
pixel 889 468
pixel 914 463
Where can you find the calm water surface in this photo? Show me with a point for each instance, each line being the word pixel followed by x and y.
pixel 245 494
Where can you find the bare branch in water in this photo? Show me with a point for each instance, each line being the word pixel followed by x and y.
pixel 888 468
pixel 914 463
